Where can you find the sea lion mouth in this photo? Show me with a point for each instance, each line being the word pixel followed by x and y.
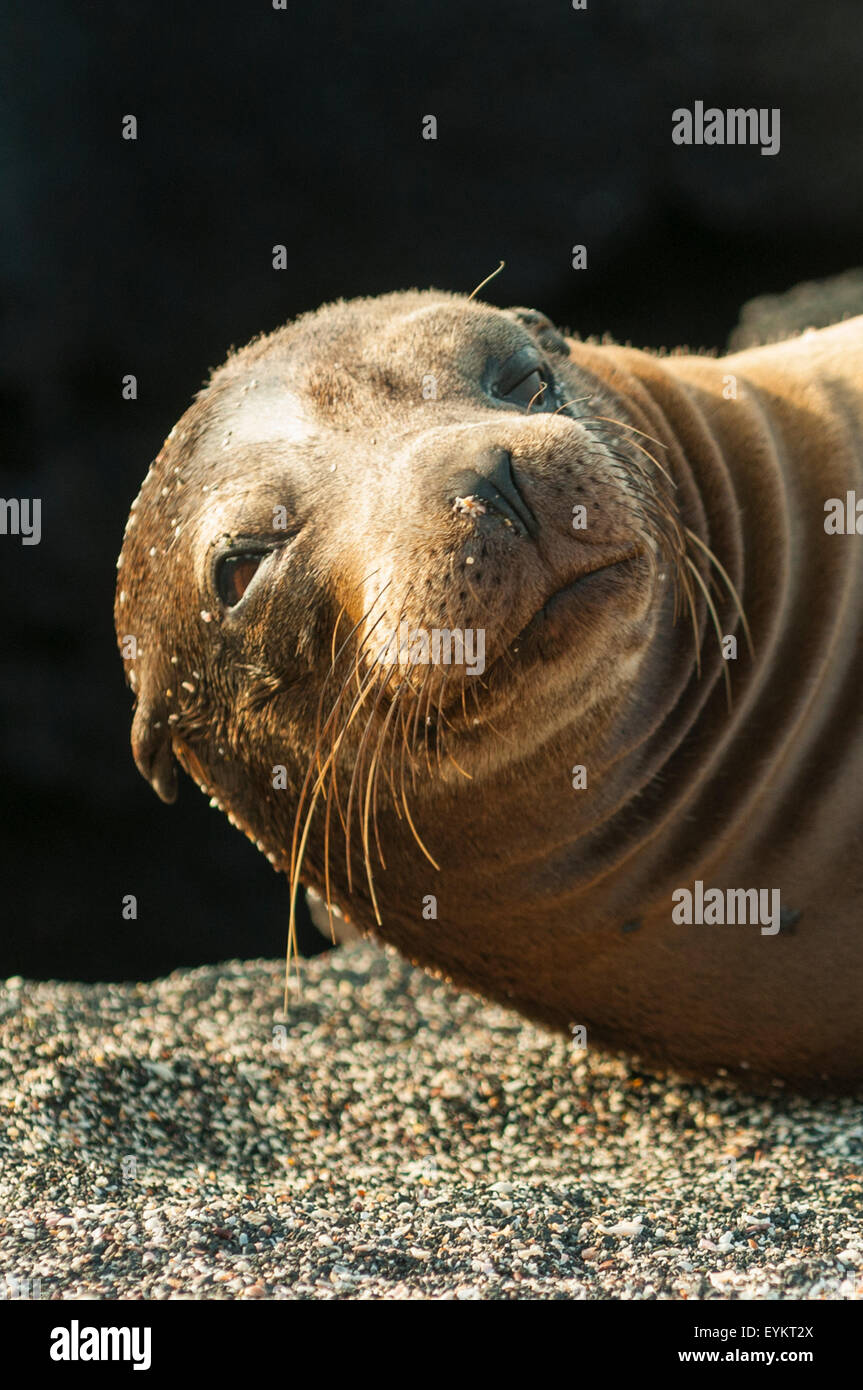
pixel 590 587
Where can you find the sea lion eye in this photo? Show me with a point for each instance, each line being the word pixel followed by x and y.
pixel 530 389
pixel 234 574
pixel 523 380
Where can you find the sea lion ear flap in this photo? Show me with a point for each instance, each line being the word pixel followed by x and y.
pixel 152 751
pixel 542 329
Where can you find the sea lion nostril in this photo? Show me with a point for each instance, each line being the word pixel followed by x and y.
pixel 503 478
pixel 479 496
pixel 492 482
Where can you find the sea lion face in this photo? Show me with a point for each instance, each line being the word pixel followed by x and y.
pixel 401 543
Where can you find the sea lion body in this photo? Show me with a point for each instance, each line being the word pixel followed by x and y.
pixel 577 783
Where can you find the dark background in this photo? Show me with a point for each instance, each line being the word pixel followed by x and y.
pixel 303 127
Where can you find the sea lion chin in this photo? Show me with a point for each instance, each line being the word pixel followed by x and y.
pixel 504 642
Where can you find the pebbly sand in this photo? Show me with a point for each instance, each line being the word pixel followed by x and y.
pixel 393 1139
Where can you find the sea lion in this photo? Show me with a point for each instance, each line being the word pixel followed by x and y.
pixel 636 810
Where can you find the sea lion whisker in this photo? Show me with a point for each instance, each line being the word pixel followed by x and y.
pixel 449 754
pixel 417 710
pixel 382 676
pixel 623 425
pixel 322 771
pixel 363 812
pixel 426 719
pixel 333 797
pixel 404 749
pixel 714 560
pixel 334 659
pixel 372 678
pixel 330 725
pixel 335 711
pixel 398 701
pixel 298 850
pixel 327 887
pixel 381 737
pixel 389 762
pixel 408 750
pixel 429 856
pixel 666 475
pixel 440 719
pixel 482 284
pixel 711 608
pixel 536 395
pixel 332 667
pixel 298 854
pixel 399 735
pixel 333 763
pixel 635 444
pixel 635 474
pixel 664 528
pixel 463 693
pixel 372 785
pixel 576 400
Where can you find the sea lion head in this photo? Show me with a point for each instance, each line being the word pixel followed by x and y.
pixel 398 557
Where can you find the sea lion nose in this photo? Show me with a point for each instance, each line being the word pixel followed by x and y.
pixel 489 478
